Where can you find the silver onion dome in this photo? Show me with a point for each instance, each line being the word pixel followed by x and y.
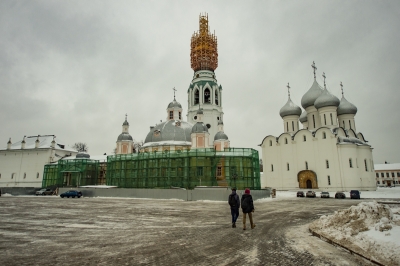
pixel 345 107
pixel 82 155
pixel 311 95
pixel 220 136
pixel 124 136
pixel 199 127
pixel 174 103
pixel 290 109
pixel 170 130
pixel 303 117
pixel 326 99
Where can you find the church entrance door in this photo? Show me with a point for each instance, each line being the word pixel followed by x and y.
pixel 307 179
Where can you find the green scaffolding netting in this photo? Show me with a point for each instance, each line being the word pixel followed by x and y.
pixel 234 167
pixel 72 172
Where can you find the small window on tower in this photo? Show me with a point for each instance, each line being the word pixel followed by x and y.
pixel 196 96
pixel 270 143
pixel 180 116
pixel 285 140
pixel 207 96
pixel 171 114
pixel 324 135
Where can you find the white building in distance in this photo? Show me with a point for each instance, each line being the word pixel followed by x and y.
pixel 387 174
pixel 327 154
pixel 22 163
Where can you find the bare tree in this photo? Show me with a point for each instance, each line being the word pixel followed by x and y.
pixel 137 145
pixel 81 147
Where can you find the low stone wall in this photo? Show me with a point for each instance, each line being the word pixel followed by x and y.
pixel 215 194
pixel 19 191
pixel 199 193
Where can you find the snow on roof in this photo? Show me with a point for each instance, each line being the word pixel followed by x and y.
pixel 100 158
pixel 44 143
pixel 387 166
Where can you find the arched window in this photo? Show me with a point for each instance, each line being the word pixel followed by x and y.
pixel 287 126
pixel 196 96
pixel 327 163
pixel 216 97
pixel 331 119
pixel 270 143
pixel 272 167
pixel 37 175
pixel 292 125
pixel 207 96
pixel 349 124
pixel 351 163
pixel 366 165
pixel 24 175
pixel 285 140
pixel 306 165
pixel 304 138
pixel 325 119
pixel 344 126
pixel 288 168
pixel 323 135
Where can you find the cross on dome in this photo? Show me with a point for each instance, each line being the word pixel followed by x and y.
pixel 315 68
pixel 323 75
pixel 174 92
pixel 288 89
pixel 341 85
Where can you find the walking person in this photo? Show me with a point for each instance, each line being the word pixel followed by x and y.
pixel 234 202
pixel 247 208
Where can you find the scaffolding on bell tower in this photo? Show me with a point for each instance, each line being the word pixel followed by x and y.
pixel 203 47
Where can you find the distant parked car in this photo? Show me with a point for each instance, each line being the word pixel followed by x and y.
pixel 355 194
pixel 310 194
pixel 45 191
pixel 325 194
pixel 340 195
pixel 300 194
pixel 71 193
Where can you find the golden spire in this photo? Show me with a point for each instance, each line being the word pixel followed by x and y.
pixel 203 47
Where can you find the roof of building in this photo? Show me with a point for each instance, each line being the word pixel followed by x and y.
pixel 345 107
pixel 171 130
pixel 100 158
pixel 387 166
pixel 326 99
pixel 290 109
pixel 303 117
pixel 124 136
pixel 311 95
pixel 44 143
pixel 174 103
pixel 199 127
pixel 220 136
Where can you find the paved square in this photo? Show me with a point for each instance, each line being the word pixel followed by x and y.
pixel 124 231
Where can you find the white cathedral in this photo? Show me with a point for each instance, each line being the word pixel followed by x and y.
pixel 326 154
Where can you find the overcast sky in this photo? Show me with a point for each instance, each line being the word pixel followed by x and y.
pixel 74 68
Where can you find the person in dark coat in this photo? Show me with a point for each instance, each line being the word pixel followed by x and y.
pixel 234 202
pixel 247 208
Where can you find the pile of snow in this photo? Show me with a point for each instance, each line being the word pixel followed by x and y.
pixel 370 228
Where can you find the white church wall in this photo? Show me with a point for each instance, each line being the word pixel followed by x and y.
pixel 23 168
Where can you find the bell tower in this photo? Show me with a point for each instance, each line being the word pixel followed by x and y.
pixel 204 89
